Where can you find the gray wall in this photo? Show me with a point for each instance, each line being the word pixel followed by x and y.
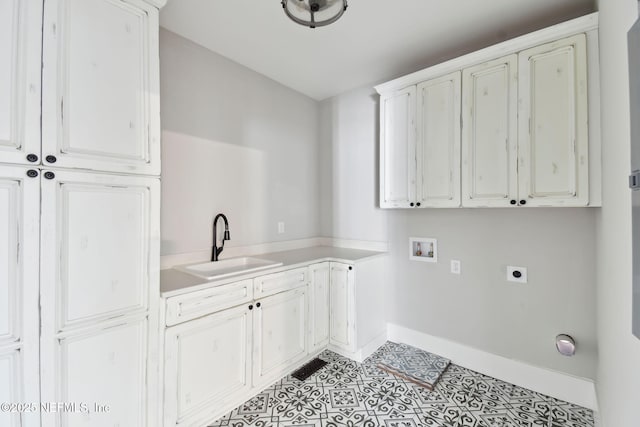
pixel 619 351
pixel 478 308
pixel 236 142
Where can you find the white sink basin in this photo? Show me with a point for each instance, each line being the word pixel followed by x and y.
pixel 227 267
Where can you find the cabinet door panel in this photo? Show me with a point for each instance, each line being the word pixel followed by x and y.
pixel 106 366
pixel 342 307
pixel 489 141
pixel 20 52
pixel 101 91
pixel 438 144
pixel 320 276
pixel 553 124
pixel 280 334
pixel 19 287
pixel 103 230
pixel 398 149
pixel 208 362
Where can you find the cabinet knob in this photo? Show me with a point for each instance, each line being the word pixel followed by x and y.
pixel 523 202
pixel 51 159
pixel 250 306
pixel 32 173
pixel 49 175
pixel 32 158
pixel 418 204
pixel 513 202
pixel 258 305
pixel 350 268
pixel 411 204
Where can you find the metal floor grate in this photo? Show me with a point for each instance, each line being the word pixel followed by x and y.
pixel 309 369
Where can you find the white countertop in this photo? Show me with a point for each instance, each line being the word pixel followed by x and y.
pixel 175 282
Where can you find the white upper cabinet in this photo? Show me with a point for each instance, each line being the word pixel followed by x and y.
pixel 101 93
pixel 519 129
pixel 20 64
pixel 490 132
pixel 398 149
pixel 553 141
pixel 19 326
pixel 438 142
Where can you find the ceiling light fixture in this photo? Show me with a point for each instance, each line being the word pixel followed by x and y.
pixel 314 13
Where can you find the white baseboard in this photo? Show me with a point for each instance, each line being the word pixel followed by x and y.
pixel 364 352
pixel 580 391
pixel 371 347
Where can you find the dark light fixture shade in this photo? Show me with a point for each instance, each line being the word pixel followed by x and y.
pixel 314 13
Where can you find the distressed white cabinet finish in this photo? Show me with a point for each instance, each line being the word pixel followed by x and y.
pixel 343 295
pixel 490 136
pixel 19 242
pixel 280 334
pixel 20 64
pixel 529 124
pixel 207 366
pixel 100 86
pixel 420 145
pixel 99 286
pixel 438 142
pixel 319 305
pixel 553 141
pixel 398 149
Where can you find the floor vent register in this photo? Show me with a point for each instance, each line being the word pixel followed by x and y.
pixel 309 369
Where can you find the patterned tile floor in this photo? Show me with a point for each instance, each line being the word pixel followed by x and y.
pixel 347 393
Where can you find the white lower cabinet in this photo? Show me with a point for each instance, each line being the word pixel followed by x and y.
pixel 251 332
pixel 280 340
pixel 342 290
pixel 319 305
pixel 207 364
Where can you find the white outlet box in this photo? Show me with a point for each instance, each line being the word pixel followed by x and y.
pixel 517 274
pixel 281 227
pixel 455 266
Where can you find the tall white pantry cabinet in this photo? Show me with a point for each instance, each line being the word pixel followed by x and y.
pixel 79 212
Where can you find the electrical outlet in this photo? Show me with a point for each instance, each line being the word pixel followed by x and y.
pixel 281 227
pixel 455 266
pixel 517 274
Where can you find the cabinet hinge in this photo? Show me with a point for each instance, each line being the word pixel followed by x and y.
pixel 529 125
pixel 62 110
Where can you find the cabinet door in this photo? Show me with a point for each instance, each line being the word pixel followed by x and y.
pixel 207 366
pixel 342 307
pixel 280 334
pixel 398 149
pixel 438 146
pixel 100 86
pixel 19 317
pixel 104 365
pixel 20 65
pixel 553 126
pixel 489 136
pixel 100 269
pixel 320 276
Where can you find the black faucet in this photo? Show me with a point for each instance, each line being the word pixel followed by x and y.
pixel 216 250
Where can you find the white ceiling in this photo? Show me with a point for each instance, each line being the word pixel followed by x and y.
pixel 374 41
